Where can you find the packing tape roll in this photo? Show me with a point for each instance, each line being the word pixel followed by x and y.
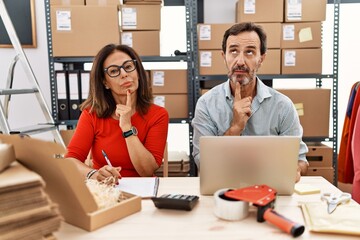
pixel 229 209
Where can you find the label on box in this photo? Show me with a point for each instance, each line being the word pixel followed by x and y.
pixel 63 20
pixel 159 78
pixel 205 32
pixel 159 100
pixel 290 57
pixel 128 18
pixel 305 34
pixel 205 59
pixel 127 39
pixel 249 7
pixel 289 32
pixel 294 10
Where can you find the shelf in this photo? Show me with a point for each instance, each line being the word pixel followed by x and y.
pixel 182 58
pixel 268 76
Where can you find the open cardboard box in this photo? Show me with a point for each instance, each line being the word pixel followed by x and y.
pixel 66 186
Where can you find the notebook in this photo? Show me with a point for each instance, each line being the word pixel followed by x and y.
pixel 240 161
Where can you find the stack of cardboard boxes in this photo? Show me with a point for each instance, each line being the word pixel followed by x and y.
pixel 140 26
pixel 170 90
pixel 299 35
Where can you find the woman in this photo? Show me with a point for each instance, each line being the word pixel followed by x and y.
pixel 119 120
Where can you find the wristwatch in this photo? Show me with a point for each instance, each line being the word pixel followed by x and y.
pixel 131 132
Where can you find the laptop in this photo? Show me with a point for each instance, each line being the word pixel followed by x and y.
pixel 241 161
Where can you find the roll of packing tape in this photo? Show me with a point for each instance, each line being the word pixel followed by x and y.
pixel 229 209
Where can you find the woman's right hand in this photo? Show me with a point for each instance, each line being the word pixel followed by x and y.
pixel 105 173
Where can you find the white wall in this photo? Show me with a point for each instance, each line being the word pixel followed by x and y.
pixel 25 111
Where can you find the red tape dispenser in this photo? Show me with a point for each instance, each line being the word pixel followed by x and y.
pixel 263 197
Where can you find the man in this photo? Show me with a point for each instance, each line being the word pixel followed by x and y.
pixel 244 105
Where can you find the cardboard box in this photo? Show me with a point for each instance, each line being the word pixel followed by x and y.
pixel 169 81
pixel 273 34
pixel 301 61
pixel 260 11
pixel 301 35
pixel 210 36
pixel 67 2
pixel 66 186
pixel 305 10
pixel 272 62
pixel 175 104
pixel 179 164
pixel 102 2
pixel 313 106
pixel 319 155
pixel 212 63
pixel 78 31
pixel 139 40
pixel 143 2
pixel 203 91
pixel 140 17
pixel 325 172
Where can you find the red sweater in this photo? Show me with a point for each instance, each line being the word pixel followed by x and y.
pixel 105 134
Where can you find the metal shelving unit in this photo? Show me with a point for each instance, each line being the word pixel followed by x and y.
pixel 318 77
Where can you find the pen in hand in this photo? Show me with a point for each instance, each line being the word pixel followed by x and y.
pixel 107 160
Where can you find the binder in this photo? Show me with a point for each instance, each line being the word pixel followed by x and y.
pixel 85 85
pixel 62 95
pixel 74 94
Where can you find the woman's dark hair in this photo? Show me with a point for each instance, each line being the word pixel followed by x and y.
pixel 246 27
pixel 100 99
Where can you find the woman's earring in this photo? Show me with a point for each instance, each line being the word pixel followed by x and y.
pixel 106 87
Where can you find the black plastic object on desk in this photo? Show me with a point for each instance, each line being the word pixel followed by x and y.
pixel 175 201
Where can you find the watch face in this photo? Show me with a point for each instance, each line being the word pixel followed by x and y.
pixel 134 131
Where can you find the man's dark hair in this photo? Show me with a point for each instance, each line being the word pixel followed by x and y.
pixel 246 27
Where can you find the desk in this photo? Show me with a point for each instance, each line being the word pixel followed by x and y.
pixel 201 223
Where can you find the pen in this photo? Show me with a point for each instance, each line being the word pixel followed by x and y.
pixel 106 158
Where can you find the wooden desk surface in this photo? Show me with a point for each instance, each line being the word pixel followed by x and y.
pixel 201 223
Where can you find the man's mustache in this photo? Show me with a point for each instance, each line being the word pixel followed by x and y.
pixel 244 69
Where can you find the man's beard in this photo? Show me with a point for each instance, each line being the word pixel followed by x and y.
pixel 241 78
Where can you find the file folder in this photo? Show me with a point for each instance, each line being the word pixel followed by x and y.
pixel 85 85
pixel 62 96
pixel 74 94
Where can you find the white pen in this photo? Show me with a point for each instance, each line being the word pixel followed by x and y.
pixel 106 158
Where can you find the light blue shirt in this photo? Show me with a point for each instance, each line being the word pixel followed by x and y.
pixel 273 113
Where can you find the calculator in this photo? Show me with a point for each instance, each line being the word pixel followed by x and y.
pixel 175 201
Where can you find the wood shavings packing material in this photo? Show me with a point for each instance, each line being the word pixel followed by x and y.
pixel 105 195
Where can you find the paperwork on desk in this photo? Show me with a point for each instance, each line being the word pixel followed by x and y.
pixel 344 220
pixel 145 187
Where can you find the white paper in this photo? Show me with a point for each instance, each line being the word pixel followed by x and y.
pixel 205 59
pixel 205 32
pixel 61 85
pixel 128 18
pixel 290 58
pixel 127 39
pixel 249 7
pixel 144 187
pixel 63 20
pixel 159 100
pixel 74 87
pixel 294 10
pixel 289 32
pixel 159 78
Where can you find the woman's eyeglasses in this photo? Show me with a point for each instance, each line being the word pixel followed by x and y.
pixel 115 70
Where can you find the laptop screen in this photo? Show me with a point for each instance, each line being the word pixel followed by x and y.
pixel 241 161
